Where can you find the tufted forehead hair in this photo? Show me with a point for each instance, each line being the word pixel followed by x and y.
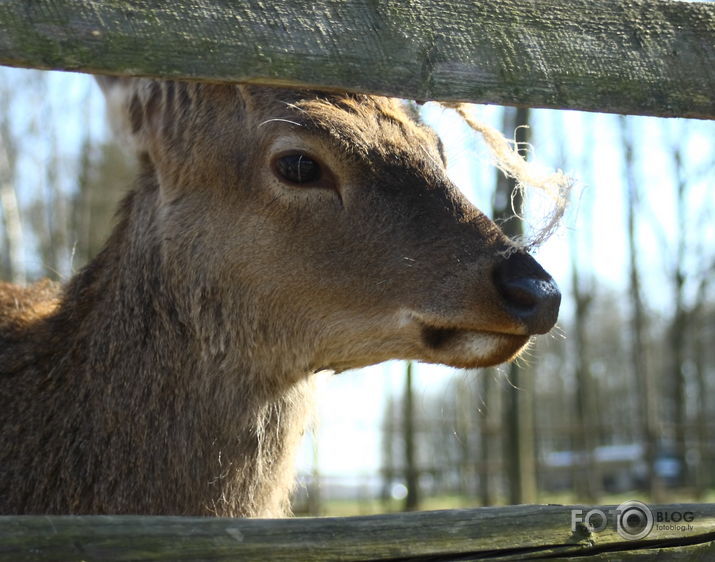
pixel 175 114
pixel 356 122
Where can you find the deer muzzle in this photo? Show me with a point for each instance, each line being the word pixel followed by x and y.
pixel 528 292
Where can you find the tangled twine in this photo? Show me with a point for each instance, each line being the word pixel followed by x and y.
pixel 556 185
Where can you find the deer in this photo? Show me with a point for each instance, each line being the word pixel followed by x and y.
pixel 271 234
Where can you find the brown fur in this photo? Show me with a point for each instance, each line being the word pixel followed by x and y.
pixel 172 375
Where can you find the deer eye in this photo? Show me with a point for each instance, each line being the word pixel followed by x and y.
pixel 298 168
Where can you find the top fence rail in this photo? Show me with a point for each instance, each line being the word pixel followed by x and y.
pixel 648 57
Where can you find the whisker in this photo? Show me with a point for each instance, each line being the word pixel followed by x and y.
pixel 280 121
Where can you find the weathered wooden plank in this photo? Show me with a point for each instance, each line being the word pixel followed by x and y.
pixel 704 552
pixel 515 532
pixel 654 57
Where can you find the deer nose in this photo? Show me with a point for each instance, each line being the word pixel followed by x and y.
pixel 529 292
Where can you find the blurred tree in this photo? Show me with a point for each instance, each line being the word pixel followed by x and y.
pixel 690 265
pixel 586 476
pixel 106 174
pixel 489 431
pixel 587 480
pixel 678 329
pixel 463 431
pixel 388 450
pixel 412 473
pixel 703 477
pixel 520 460
pixel 315 503
pixel 644 381
pixel 69 192
pixel 12 266
pixel 48 213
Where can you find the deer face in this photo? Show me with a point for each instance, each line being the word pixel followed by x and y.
pixel 328 223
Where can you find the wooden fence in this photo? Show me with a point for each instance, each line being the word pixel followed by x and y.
pixel 686 531
pixel 651 57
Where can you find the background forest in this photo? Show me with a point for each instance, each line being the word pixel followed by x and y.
pixel 617 401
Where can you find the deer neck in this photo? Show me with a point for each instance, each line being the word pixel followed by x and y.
pixel 230 422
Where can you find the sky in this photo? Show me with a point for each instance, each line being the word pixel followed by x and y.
pixel 587 145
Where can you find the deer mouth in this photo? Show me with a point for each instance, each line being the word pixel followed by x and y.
pixel 467 348
pixel 436 338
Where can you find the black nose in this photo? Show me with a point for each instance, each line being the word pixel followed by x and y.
pixel 529 292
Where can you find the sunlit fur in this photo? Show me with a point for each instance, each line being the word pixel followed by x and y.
pixel 172 375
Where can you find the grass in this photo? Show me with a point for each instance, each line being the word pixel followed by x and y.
pixel 342 508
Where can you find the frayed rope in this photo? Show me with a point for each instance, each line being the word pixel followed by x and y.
pixel 556 185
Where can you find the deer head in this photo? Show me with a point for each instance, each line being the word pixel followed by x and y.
pixel 322 230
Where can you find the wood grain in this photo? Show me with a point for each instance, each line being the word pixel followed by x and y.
pixel 652 57
pixel 514 532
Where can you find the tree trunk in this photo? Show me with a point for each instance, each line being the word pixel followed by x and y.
pixel 13 239
pixel 679 326
pixel 14 266
pixel 388 452
pixel 644 384
pixel 587 481
pixel 315 504
pixel 463 428
pixel 586 471
pixel 703 473
pixel 520 446
pixel 412 501
pixel 489 427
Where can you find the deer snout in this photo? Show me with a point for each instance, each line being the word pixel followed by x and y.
pixel 529 293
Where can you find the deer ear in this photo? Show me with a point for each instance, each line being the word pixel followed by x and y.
pixel 132 108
